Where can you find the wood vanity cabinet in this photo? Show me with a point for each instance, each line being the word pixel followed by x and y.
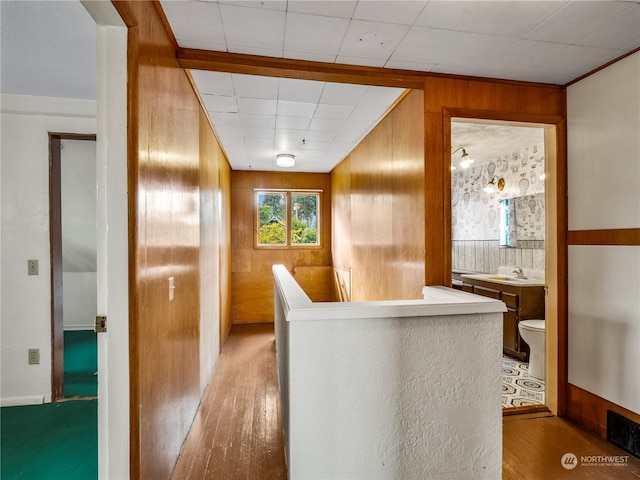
pixel 524 302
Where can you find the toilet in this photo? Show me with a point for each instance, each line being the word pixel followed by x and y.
pixel 532 332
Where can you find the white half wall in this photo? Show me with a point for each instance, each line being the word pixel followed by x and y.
pixel 26 299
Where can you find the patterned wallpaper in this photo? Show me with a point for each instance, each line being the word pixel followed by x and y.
pixel 475 212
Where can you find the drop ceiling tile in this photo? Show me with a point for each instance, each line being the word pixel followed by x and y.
pixel 341 8
pixel 320 136
pixel 229 132
pixel 365 62
pixel 259 142
pixel 287 138
pixel 216 47
pixel 603 24
pixel 216 83
pixel 257 106
pixel 342 94
pixel 253 27
pixel 248 50
pixel 404 13
pixel 314 34
pixel 219 103
pixel 194 21
pixel 381 96
pixel 408 65
pixel 254 86
pixel 261 133
pixel 226 119
pixel 285 122
pixel 313 57
pixel 318 146
pixel 358 126
pixel 258 121
pixel 348 137
pixel 236 142
pixel 259 4
pixel 295 109
pixel 336 112
pixel 300 90
pixel 367 112
pixel 447 47
pixel 324 125
pixel 366 39
pixel 562 62
pixel 509 19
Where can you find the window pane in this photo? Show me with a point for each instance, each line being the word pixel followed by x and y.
pixel 272 221
pixel 304 219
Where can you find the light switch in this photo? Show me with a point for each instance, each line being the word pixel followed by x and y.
pixel 32 267
pixel 172 287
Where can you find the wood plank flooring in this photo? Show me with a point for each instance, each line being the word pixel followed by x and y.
pixel 533 448
pixel 237 433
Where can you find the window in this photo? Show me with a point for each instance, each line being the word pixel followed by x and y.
pixel 287 218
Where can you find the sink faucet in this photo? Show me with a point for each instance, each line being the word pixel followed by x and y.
pixel 519 273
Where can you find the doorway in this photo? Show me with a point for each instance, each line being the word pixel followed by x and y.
pixel 73 230
pixel 508 163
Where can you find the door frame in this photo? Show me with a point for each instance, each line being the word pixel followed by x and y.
pixel 55 233
pixel 556 340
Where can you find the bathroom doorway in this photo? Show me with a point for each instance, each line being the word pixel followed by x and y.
pixel 500 169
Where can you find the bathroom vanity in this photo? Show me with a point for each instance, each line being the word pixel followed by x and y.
pixel 524 300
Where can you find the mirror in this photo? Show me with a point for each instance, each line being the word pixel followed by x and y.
pixel 522 221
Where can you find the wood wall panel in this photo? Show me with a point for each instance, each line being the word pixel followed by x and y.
pixel 226 314
pixel 591 410
pixel 176 183
pixel 252 279
pixel 378 203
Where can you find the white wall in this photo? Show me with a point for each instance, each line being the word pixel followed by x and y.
pixel 603 124
pixel 26 300
pixel 78 205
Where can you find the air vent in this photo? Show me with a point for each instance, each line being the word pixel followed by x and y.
pixel 623 433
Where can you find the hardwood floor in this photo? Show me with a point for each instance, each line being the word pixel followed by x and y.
pixel 533 448
pixel 237 433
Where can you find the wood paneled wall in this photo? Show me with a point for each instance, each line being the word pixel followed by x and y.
pixel 173 177
pixel 446 98
pixel 252 284
pixel 378 207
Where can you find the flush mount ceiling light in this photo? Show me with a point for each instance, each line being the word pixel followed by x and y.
pixel 465 160
pixel 285 160
pixel 496 184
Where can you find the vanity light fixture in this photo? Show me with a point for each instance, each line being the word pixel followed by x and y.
pixel 465 160
pixel 496 184
pixel 285 160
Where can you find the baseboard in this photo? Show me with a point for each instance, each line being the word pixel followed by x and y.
pixel 590 410
pixel 21 401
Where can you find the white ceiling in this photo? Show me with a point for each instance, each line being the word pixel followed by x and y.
pixel 48 49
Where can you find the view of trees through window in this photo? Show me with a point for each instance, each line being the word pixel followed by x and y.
pixel 280 212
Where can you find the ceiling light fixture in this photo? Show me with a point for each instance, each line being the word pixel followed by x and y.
pixel 492 186
pixel 285 160
pixel 465 160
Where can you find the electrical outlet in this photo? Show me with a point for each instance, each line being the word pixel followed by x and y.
pixel 34 356
pixel 32 267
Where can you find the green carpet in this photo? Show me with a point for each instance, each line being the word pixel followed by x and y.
pixel 80 363
pixel 53 441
